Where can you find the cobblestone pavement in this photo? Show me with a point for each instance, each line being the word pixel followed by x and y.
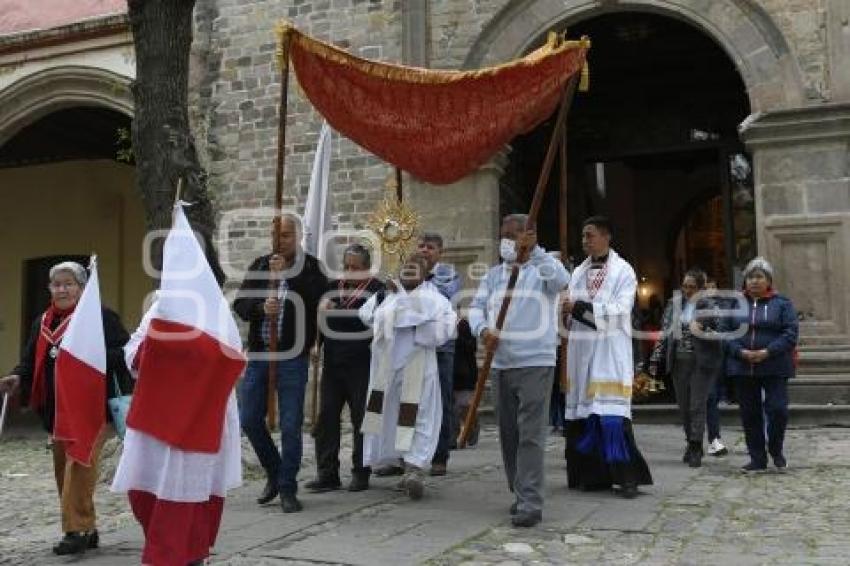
pixel 717 516
pixel 714 515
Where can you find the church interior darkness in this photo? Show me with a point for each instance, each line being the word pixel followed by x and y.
pixel 654 146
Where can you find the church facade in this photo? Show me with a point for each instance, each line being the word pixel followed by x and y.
pixel 713 131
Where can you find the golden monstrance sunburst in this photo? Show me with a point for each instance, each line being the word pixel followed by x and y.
pixel 395 224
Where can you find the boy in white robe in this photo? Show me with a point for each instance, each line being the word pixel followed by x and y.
pixel 601 449
pixel 403 408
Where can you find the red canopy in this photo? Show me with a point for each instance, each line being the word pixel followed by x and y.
pixel 437 125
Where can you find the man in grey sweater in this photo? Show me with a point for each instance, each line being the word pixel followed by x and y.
pixel 524 362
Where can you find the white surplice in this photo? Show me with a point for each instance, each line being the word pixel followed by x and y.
pixel 408 327
pixel 600 367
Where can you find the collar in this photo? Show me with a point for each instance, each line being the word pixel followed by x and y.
pixel 599 260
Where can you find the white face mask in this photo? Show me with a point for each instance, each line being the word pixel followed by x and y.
pixel 507 250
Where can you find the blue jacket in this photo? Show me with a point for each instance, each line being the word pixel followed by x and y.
pixel 771 324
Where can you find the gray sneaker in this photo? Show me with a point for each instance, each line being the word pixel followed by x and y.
pixel 414 483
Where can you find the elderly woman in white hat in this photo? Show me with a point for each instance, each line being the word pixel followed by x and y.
pixel 760 362
pixel 35 375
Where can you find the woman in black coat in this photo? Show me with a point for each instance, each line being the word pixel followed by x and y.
pixel 35 375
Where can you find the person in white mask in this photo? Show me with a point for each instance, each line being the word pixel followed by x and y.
pixel 524 361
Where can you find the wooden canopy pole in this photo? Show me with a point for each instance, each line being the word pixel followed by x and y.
pixel 522 255
pixel 563 237
pixel 274 282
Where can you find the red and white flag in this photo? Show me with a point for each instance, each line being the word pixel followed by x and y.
pixel 191 355
pixel 80 376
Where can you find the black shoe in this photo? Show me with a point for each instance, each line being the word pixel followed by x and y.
pixel 391 470
pixel 695 458
pixel 321 485
pixel 269 492
pixel 94 539
pixel 780 462
pixel 289 503
pixel 359 482
pixel 629 491
pixel 527 518
pixel 514 510
pixel 753 467
pixel 73 543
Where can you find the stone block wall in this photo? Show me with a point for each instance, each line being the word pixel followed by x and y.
pixel 455 25
pixel 804 25
pixel 236 90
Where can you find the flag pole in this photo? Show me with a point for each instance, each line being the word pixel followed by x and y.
pixel 563 379
pixel 274 282
pixel 522 255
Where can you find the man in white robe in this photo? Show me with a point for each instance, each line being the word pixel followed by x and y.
pixel 601 450
pixel 403 409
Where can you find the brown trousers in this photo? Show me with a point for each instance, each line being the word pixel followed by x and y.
pixel 76 484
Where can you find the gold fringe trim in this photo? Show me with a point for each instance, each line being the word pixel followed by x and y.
pixel 284 31
pixel 289 36
pixel 584 81
pixel 609 389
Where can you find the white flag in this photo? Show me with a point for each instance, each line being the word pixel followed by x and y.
pixel 317 213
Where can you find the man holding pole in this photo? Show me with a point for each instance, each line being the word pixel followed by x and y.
pixel 524 360
pixel 290 303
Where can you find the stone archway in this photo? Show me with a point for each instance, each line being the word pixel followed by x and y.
pixel 55 202
pixel 741 27
pixel 43 92
pixel 799 148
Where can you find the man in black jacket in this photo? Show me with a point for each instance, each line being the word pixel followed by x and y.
pixel 283 288
pixel 345 372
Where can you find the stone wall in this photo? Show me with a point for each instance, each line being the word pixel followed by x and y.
pixel 803 23
pixel 236 88
pixel 235 112
pixel 455 25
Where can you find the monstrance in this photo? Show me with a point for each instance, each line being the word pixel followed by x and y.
pixel 395 224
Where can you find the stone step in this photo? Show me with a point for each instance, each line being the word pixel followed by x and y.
pixel 801 414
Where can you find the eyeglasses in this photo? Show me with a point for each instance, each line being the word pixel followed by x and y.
pixel 62 286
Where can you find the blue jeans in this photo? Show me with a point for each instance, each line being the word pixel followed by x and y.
pixel 253 395
pixel 754 409
pixel 445 366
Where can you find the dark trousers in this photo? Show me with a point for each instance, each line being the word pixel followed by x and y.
pixel 253 395
pixel 342 383
pixel 693 385
pixel 445 366
pixel 761 397
pixel 712 408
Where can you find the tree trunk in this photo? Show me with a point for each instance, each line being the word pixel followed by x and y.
pixel 163 145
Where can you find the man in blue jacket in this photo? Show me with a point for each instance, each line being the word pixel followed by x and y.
pixel 761 361
pixel 523 366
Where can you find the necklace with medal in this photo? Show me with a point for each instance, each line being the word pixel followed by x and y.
pixel 54 337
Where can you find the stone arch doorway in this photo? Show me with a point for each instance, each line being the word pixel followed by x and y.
pixel 648 145
pixel 741 28
pixel 64 193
